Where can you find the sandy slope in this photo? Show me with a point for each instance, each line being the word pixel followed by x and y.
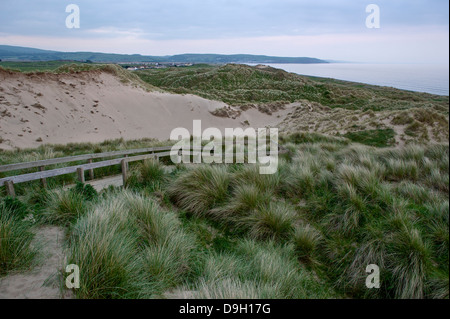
pixel 95 106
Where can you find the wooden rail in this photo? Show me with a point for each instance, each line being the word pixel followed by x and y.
pixel 42 174
pixel 84 157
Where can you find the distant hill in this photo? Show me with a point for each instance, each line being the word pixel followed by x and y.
pixel 15 53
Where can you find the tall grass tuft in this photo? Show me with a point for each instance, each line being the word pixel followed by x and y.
pixel 127 246
pixel 245 200
pixel 16 251
pixel 273 221
pixel 307 241
pixel 200 189
pixel 409 260
pixel 151 170
pixel 249 174
pixel 64 207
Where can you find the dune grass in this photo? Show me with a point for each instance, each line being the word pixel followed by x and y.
pixel 225 231
pixel 342 207
pixel 245 85
pixel 378 138
pixel 16 251
pixel 127 247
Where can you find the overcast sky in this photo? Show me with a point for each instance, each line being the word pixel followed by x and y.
pixel 412 31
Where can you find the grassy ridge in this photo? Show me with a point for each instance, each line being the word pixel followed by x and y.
pixel 31 54
pixel 35 65
pixel 241 85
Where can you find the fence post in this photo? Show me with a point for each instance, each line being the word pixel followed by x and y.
pixel 127 163
pixel 124 166
pixel 43 180
pixel 91 171
pixel 10 188
pixel 80 173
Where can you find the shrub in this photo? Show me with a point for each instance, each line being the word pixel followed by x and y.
pixel 18 208
pixel 85 190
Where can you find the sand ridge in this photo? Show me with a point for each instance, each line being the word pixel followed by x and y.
pixel 95 106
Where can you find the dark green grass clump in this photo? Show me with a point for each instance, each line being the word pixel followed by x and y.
pixel 378 138
pixel 16 252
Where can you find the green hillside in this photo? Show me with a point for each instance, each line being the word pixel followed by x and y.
pixel 13 53
pixel 243 84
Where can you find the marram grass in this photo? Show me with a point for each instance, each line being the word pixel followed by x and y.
pixel 308 231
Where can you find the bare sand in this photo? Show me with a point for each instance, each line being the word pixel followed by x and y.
pixel 41 282
pixel 95 106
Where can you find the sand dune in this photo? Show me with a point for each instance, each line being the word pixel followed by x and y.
pixel 94 106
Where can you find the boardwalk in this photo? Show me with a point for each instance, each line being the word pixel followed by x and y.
pixel 100 184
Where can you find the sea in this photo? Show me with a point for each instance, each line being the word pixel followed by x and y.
pixel 429 78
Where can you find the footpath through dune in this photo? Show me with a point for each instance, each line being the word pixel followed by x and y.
pixel 42 282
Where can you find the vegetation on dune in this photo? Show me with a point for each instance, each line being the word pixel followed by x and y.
pixel 16 251
pixel 58 67
pixel 128 246
pixel 335 205
pixel 378 138
pixel 200 189
pixel 65 207
pixel 243 85
pixel 346 210
pixel 35 66
pixel 373 115
pixel 225 231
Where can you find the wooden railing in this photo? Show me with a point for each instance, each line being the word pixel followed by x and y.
pixel 42 174
pixel 9 181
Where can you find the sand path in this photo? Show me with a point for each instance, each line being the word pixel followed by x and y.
pixel 42 282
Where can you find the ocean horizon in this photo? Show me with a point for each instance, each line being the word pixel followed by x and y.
pixel 428 78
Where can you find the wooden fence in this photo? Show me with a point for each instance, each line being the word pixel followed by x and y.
pixel 42 174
